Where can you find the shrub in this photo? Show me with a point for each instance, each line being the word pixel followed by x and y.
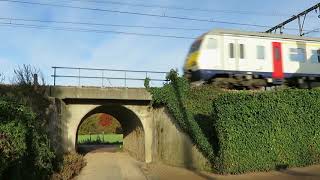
pixel 24 148
pixel 13 133
pixel 12 143
pixel 70 167
pixel 267 130
pixel 25 151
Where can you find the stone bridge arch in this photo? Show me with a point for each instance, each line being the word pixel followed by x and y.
pixel 136 122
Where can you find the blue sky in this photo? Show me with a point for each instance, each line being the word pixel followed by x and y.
pixel 47 48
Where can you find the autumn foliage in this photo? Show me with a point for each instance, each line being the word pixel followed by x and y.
pixel 99 124
pixel 105 120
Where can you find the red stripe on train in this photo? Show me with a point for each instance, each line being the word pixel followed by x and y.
pixel 277 61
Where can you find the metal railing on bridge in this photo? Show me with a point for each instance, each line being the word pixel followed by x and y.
pixel 106 77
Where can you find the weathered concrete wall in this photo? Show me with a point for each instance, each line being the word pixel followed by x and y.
pixel 133 143
pixel 172 146
pixel 57 126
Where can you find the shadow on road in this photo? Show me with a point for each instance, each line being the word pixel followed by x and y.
pixel 85 149
pixel 301 174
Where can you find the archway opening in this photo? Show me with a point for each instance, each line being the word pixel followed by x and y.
pixel 100 131
pixel 126 134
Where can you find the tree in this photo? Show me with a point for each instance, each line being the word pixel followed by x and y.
pixel 27 75
pixel 105 120
pixel 2 78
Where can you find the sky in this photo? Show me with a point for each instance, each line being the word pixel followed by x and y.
pixel 44 48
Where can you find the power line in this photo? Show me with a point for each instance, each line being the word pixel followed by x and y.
pixel 107 25
pixel 182 8
pixel 100 24
pixel 137 13
pixel 312 31
pixel 31 26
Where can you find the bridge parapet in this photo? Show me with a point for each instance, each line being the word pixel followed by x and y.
pixel 107 77
pixel 71 92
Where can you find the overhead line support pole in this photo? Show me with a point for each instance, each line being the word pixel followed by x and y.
pixel 301 24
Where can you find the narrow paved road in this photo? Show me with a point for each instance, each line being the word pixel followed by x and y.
pixel 111 166
pixel 120 166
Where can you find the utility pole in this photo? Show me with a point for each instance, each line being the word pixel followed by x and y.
pixel 301 17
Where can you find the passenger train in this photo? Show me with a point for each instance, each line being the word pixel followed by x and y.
pixel 247 56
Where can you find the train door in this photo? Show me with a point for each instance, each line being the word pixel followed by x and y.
pixel 210 52
pixel 230 55
pixel 277 61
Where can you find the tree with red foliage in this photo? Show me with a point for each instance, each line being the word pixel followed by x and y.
pixel 105 120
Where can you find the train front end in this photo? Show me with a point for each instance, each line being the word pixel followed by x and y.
pixel 192 61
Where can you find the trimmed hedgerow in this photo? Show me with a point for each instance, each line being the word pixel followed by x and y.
pixel 267 130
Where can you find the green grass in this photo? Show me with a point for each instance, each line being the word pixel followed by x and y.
pixel 100 139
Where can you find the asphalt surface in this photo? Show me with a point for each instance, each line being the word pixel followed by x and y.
pixel 102 165
pixel 111 166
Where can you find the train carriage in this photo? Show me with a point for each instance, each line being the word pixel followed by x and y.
pixel 275 59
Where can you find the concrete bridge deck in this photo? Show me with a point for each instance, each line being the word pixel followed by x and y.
pixel 72 92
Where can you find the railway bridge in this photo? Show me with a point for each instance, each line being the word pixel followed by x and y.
pixel 129 105
pixel 149 134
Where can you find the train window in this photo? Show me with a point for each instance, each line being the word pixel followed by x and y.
pixel 297 54
pixel 212 43
pixel 195 46
pixel 277 53
pixel 260 52
pixel 315 57
pixel 242 51
pixel 231 50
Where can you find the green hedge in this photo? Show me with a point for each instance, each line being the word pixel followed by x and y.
pixel 267 130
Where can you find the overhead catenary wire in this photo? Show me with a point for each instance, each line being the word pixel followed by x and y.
pixel 32 26
pixel 136 13
pixel 10 19
pixel 317 30
pixel 167 7
pixel 101 24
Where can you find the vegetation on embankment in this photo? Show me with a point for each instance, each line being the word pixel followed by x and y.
pixel 245 131
pixel 25 149
pixel 192 109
